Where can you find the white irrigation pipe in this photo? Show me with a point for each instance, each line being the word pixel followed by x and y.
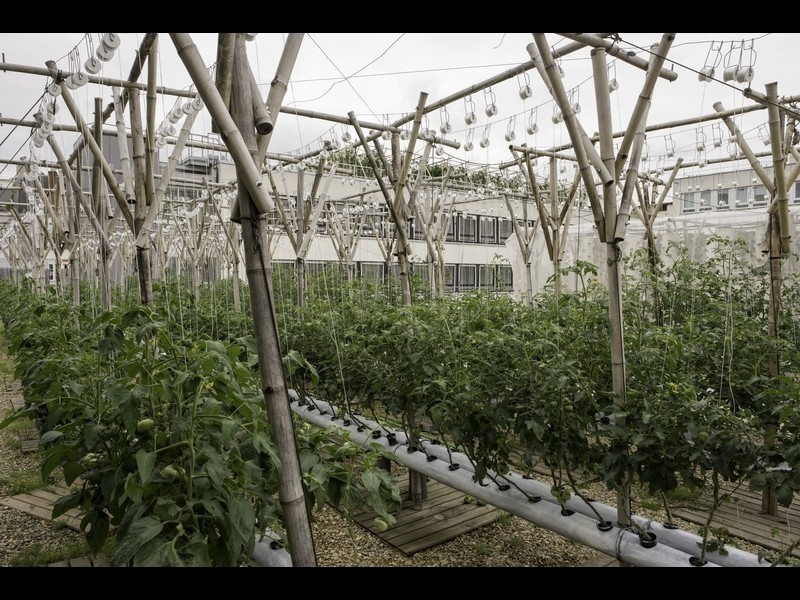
pixel 269 552
pixel 614 541
pixel 678 539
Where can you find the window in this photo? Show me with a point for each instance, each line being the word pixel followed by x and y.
pixel 759 195
pixel 487 274
pixel 506 229
pixel 450 278
pixel 488 229
pixel 451 229
pixel 420 271
pixel 705 200
pixel 723 202
pixel 505 278
pixel 689 202
pixel 415 230
pixel 469 229
pixel 467 277
pixel 741 197
pixel 372 271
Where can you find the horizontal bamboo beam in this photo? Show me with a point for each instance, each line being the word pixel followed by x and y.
pixel 15 68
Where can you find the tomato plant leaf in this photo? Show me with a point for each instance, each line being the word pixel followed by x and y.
pixel 140 531
pixel 146 462
pixel 50 436
pixel 71 471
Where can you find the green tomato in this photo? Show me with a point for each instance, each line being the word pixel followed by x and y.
pixel 380 524
pixel 145 425
pixel 170 472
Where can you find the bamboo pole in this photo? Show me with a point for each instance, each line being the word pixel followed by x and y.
pixel 553 81
pixel 143 238
pixel 62 230
pixel 278 87
pixel 290 478
pixel 122 140
pixel 643 102
pixel 781 199
pixel 78 192
pixel 97 153
pixel 231 135
pixel 133 76
pixel 769 498
pixel 613 49
pixel 149 140
pixel 100 206
pixel 613 277
pixel 143 260
pixel 224 73
pixel 762 174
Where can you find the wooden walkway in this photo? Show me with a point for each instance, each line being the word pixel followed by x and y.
pixel 445 516
pixel 743 519
pixel 39 503
pixel 28 436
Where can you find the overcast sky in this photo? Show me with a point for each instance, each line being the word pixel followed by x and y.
pixel 380 76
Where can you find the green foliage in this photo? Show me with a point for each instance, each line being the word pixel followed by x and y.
pixel 162 434
pixel 510 385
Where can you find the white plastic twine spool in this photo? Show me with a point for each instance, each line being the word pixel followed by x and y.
pixel 346 137
pixel 46 128
pixel 510 136
pixel 706 74
pixel 491 110
pixel 744 74
pixel 54 90
pixel 79 78
pixel 187 108
pixel 484 142
pixel 558 117
pixel 525 92
pixel 533 129
pixel 92 65
pixel 104 54
pixel 469 146
pixel 404 135
pixel 197 104
pixel 110 41
pixel 470 118
pixel 175 115
pixel 729 73
pixel 48 117
pixel 613 86
pixel 445 128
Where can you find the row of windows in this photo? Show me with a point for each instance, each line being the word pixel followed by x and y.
pixel 467 229
pixel 722 199
pixel 458 277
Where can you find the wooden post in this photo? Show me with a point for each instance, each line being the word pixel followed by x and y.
pixel 100 207
pixel 240 133
pixel 143 261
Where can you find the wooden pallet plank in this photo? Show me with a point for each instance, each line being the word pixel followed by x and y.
pixel 38 507
pixel 741 529
pixel 432 532
pixel 444 516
